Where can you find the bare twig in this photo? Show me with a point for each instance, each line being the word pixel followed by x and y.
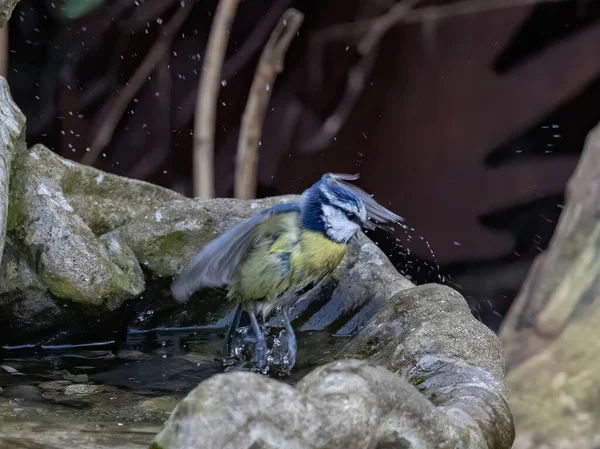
pixel 112 111
pixel 207 97
pixel 140 16
pixel 4 51
pixel 269 66
pixel 372 31
pixel 359 28
pixel 354 87
pixel 367 49
pixel 240 58
pixel 466 7
pixel 398 12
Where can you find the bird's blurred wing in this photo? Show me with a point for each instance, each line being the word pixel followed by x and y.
pixel 214 264
pixel 375 211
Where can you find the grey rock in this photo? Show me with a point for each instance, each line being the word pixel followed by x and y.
pixel 428 336
pixel 166 237
pixel 130 354
pixel 12 126
pixel 61 268
pixel 6 9
pixel 164 404
pixel 76 378
pixel 83 389
pixel 23 392
pixel 432 378
pixel 54 385
pixel 71 261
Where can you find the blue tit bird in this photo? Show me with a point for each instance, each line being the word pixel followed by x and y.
pixel 270 259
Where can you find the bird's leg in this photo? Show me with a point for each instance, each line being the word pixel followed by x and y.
pixel 283 354
pixel 261 352
pixel 229 348
pixel 291 339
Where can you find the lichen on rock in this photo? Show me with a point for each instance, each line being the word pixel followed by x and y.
pixel 70 260
pixel 12 128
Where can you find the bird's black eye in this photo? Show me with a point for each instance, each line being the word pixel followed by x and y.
pixel 353 217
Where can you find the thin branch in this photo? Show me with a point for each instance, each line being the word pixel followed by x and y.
pixel 367 49
pixel 112 111
pixel 140 16
pixel 207 98
pixel 4 51
pixel 240 58
pixel 385 22
pixel 354 86
pixel 359 28
pixel 467 7
pixel 372 31
pixel 269 66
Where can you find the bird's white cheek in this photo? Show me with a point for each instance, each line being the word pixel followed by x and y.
pixel 338 227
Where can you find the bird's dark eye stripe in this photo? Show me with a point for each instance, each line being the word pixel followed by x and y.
pixel 353 217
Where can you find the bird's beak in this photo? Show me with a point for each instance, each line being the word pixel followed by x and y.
pixel 368 224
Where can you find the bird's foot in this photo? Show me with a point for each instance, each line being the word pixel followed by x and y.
pixel 261 350
pixel 261 357
pixel 236 353
pixel 283 354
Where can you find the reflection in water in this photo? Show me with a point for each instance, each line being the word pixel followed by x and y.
pixel 159 360
pixel 110 393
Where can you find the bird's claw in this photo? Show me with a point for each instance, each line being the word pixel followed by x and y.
pixel 261 356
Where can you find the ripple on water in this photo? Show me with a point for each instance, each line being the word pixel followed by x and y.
pixel 117 394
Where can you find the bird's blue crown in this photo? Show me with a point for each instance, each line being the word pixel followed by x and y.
pixel 325 193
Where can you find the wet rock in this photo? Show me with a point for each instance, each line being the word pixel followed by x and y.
pixel 428 336
pixel 11 370
pixel 12 128
pixel 129 354
pixel 54 385
pixel 164 404
pixel 82 389
pixel 61 269
pixel 24 392
pixel 551 331
pixel 71 261
pixel 432 377
pixel 77 378
pixel 112 419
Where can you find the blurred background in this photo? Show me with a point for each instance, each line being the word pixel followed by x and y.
pixel 468 122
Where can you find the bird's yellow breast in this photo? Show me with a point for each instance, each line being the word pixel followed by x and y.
pixel 284 258
pixel 315 255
